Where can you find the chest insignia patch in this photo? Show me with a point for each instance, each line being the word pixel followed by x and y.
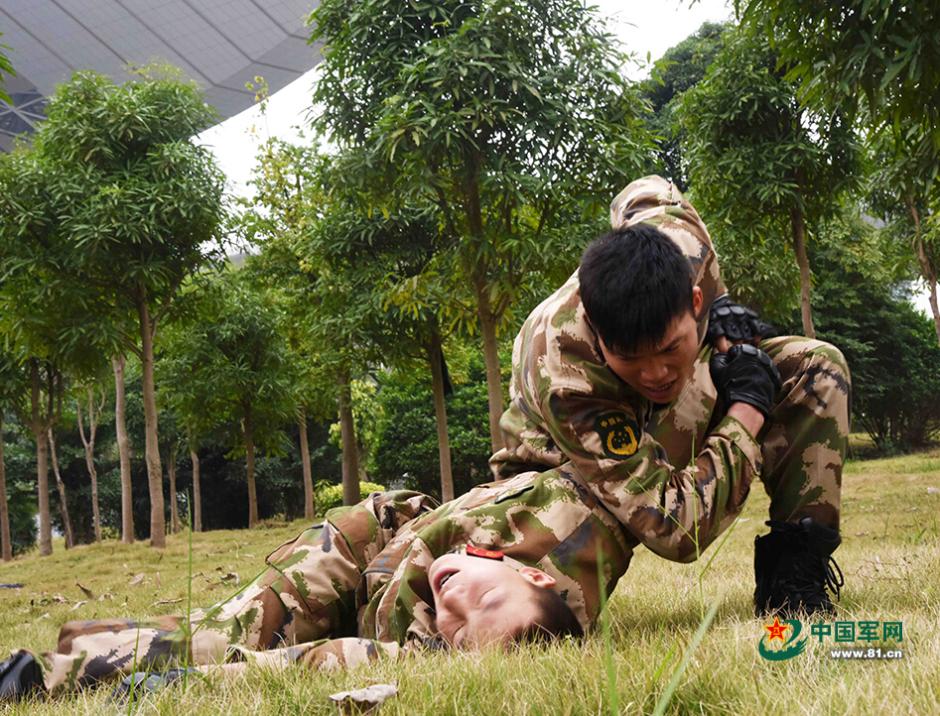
pixel 619 434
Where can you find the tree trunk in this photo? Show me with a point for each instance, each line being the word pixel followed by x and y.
pixel 151 439
pixel 494 387
pixel 124 452
pixel 174 507
pixel 63 499
pixel 89 444
pixel 42 461
pixel 802 259
pixel 197 492
pixel 435 358
pixel 927 271
pixel 348 438
pixel 488 321
pixel 250 469
pixel 309 506
pixel 361 460
pixel 6 542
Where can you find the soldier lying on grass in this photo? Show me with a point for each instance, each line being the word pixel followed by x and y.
pixel 512 561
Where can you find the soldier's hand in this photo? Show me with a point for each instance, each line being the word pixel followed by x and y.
pixel 731 323
pixel 745 374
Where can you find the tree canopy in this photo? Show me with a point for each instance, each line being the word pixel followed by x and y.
pixel 503 114
pixel 762 166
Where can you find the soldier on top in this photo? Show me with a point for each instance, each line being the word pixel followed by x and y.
pixel 667 398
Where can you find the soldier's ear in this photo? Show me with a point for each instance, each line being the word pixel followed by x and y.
pixel 697 300
pixel 537 577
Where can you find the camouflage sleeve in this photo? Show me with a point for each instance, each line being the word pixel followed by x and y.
pixel 675 512
pixel 322 655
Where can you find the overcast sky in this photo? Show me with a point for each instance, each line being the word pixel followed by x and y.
pixel 646 28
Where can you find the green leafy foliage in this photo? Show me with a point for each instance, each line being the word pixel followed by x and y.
pixel 147 198
pixel 19 458
pixel 754 150
pixel 885 53
pixel 756 156
pixel 406 446
pixel 224 361
pixel 6 68
pixel 504 115
pixel 678 70
pixel 889 346
pixel 329 496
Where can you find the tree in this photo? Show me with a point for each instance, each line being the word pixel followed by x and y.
pixel 94 401
pixel 398 256
pixel 759 161
pixel 878 60
pixel 287 198
pixel 331 304
pixel 678 70
pixel 883 53
pixel 887 344
pixel 503 114
pixel 227 361
pixel 406 444
pixel 150 203
pixel 49 322
pixel 903 192
pixel 63 495
pixel 118 364
pixel 11 392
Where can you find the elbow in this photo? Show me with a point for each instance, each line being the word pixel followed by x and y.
pixel 674 544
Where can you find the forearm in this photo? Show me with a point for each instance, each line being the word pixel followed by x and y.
pixel 678 511
pixel 749 416
pixel 321 655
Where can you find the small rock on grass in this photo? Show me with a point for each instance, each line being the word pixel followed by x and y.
pixel 363 701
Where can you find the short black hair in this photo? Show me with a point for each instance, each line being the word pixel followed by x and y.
pixel 634 282
pixel 555 620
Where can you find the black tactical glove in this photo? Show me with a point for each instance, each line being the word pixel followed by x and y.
pixel 736 322
pixel 745 374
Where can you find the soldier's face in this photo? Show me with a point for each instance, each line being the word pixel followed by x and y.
pixel 660 372
pixel 483 601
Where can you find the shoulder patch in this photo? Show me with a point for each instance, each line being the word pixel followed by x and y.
pixel 618 433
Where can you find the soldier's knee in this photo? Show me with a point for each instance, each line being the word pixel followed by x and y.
pixel 796 355
pixel 826 353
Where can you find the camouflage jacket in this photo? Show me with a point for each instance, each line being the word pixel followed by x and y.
pixel 549 520
pixel 567 405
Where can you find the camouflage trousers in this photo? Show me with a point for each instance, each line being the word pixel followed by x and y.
pixel 803 442
pixel 309 591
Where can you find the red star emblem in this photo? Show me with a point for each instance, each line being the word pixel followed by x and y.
pixel 776 630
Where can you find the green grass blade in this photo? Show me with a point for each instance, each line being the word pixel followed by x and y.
pixel 664 700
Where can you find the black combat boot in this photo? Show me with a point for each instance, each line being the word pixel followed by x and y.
pixel 20 676
pixel 794 568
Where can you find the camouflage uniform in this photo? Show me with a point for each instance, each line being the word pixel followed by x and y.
pixel 362 575
pixel 675 476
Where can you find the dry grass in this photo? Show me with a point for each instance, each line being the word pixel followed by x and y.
pixel 890 557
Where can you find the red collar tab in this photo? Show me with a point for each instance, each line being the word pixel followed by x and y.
pixel 485 553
